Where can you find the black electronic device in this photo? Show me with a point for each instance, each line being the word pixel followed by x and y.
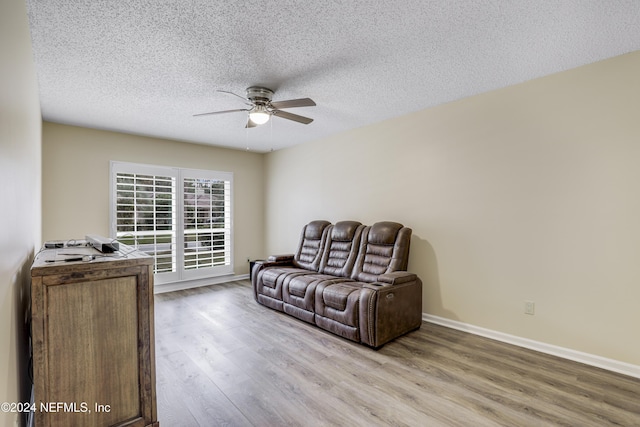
pixel 54 244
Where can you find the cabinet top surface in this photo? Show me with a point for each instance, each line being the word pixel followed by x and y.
pixel 79 255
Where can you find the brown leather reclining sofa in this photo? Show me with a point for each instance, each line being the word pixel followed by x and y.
pixel 347 278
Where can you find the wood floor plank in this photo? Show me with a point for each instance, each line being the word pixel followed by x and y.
pixel 172 409
pixel 507 388
pixel 224 359
pixel 551 375
pixel 261 404
pixel 204 400
pixel 209 357
pixel 312 397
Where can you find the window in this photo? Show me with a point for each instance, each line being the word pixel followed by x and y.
pixel 181 217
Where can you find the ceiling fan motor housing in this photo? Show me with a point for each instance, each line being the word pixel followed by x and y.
pixel 259 95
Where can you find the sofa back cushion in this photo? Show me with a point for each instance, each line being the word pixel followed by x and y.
pixel 342 248
pixel 311 245
pixel 384 248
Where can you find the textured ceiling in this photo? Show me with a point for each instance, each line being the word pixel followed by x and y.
pixel 145 67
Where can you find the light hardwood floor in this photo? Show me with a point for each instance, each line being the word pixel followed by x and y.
pixel 223 359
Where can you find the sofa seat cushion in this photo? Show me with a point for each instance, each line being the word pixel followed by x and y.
pixel 336 296
pixel 272 277
pixel 339 301
pixel 338 309
pixel 299 290
pixel 299 285
pixel 268 286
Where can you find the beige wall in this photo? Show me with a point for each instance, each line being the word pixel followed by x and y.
pixel 20 130
pixel 76 181
pixel 527 193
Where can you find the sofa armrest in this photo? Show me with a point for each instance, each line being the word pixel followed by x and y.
pixel 389 310
pixel 272 261
pixel 397 277
pixel 280 258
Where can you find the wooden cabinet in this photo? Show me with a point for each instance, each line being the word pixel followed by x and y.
pixel 93 338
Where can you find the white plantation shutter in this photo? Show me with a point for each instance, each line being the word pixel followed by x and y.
pixel 207 219
pixel 181 217
pixel 146 216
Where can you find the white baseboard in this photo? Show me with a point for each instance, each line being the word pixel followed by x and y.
pixel 566 353
pixel 196 283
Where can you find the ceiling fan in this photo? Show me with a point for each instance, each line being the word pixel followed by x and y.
pixel 261 108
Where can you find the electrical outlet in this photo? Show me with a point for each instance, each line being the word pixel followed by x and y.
pixel 529 307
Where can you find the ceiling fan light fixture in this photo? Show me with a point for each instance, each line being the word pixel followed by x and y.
pixel 259 115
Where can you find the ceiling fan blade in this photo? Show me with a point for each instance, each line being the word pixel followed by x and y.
pixel 291 116
pixel 234 94
pixel 292 103
pixel 220 112
pixel 250 124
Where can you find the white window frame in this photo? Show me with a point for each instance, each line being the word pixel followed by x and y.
pixel 179 174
